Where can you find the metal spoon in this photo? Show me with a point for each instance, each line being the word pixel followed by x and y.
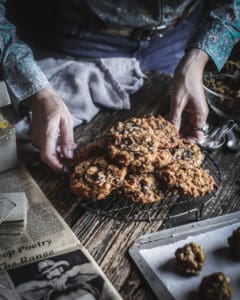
pixel 234 75
pixel 216 138
pixel 216 144
pixel 233 142
pixel 208 141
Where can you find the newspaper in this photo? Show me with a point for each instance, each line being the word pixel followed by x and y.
pixel 47 259
pixel 6 207
pixel 15 222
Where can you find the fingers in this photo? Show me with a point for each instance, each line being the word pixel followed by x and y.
pixel 189 129
pixel 45 135
pixel 67 138
pixel 51 120
pixel 49 152
pixel 198 129
pixel 176 111
pixel 195 119
pixel 49 148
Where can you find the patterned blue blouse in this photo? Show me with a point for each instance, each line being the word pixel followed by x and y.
pixel 218 32
pixel 216 35
pixel 18 69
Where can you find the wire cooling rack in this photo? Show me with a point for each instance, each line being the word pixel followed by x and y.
pixel 117 207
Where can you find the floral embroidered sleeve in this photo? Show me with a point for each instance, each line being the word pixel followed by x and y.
pixel 18 69
pixel 218 32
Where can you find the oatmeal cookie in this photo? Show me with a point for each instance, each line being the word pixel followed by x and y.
pixel 96 177
pixel 142 188
pixel 215 287
pixel 234 242
pixel 189 152
pixel 163 158
pixel 186 179
pixel 89 150
pixel 132 143
pixel 165 132
pixel 190 259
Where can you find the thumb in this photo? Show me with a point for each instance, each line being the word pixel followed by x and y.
pixel 67 138
pixel 176 110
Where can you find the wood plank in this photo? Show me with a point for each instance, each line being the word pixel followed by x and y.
pixel 107 239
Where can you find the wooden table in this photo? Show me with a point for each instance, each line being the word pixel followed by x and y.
pixel 107 239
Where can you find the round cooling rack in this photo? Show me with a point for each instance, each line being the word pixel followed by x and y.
pixel 117 207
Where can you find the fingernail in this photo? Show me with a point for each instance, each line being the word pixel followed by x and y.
pixel 70 153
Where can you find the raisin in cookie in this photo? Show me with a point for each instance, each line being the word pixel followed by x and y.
pixel 96 177
pixel 165 132
pixel 189 152
pixel 142 188
pixel 132 143
pixel 186 179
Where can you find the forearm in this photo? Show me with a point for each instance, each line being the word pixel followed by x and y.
pixel 218 31
pixel 21 73
pixel 193 62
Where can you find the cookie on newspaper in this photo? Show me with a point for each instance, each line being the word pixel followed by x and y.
pixel 96 177
pixel 189 152
pixel 132 143
pixel 165 132
pixel 142 188
pixel 186 179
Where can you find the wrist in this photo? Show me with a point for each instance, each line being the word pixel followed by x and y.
pixel 196 58
pixel 39 97
pixel 192 64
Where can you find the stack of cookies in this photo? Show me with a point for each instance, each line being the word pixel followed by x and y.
pixel 142 158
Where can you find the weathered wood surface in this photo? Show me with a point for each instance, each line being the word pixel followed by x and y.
pixel 108 240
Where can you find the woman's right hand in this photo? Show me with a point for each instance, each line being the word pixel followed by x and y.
pixel 51 124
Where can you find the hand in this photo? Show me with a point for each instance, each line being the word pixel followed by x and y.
pixel 60 283
pixel 189 109
pixel 51 120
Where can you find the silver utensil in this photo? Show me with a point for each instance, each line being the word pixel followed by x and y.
pixel 216 138
pixel 209 143
pixel 233 142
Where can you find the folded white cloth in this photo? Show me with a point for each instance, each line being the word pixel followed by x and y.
pixel 87 86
